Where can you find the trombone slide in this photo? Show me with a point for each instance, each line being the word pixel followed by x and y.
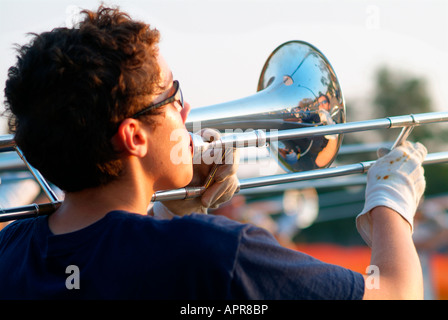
pixel 259 138
pixel 356 168
pixel 35 210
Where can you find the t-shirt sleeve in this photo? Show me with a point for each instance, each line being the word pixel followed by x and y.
pixel 265 270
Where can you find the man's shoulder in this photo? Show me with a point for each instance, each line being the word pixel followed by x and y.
pixel 194 220
pixel 17 230
pixel 193 225
pixel 213 221
pixel 18 226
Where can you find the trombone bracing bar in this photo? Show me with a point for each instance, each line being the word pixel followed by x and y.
pixel 38 176
pixel 7 144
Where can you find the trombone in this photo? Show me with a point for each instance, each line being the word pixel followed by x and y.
pixel 298 113
pixel 406 122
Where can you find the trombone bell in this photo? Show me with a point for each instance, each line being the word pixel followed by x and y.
pixel 297 88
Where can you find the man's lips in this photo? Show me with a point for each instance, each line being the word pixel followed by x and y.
pixel 191 145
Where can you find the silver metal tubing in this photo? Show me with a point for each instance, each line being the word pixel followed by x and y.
pixel 257 137
pixel 329 129
pixel 39 178
pixel 6 142
pixel 363 147
pixel 404 134
pixel 177 194
pixel 357 168
pixel 356 126
pixel 436 158
pixel 35 210
pixel 28 211
pixel 361 167
pixel 354 180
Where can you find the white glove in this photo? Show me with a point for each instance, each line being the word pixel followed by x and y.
pixel 396 181
pixel 221 189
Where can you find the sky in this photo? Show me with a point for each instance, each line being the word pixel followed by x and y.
pixel 217 48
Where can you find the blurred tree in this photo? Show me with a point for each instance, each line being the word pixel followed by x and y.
pixel 397 93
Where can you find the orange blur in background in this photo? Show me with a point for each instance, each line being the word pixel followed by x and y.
pixel 357 258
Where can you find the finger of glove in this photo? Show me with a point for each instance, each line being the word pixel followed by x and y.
pixel 219 192
pixel 209 134
pixel 213 194
pixel 400 156
pixel 420 150
pixel 406 147
pixel 209 160
pixel 381 152
pixel 416 150
pixel 225 196
pixel 413 156
pixel 419 182
pixel 230 165
pixel 212 156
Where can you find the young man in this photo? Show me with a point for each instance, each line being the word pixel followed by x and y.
pixel 94 109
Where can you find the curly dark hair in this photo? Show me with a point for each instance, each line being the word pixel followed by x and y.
pixel 71 88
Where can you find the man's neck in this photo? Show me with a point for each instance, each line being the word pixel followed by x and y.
pixel 83 208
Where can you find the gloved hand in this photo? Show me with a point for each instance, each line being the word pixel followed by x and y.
pixel 221 189
pixel 396 181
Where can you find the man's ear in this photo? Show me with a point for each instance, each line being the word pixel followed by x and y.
pixel 131 138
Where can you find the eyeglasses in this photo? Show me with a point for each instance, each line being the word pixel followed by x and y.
pixel 177 96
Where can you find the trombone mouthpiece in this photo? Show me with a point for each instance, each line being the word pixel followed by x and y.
pixel 199 145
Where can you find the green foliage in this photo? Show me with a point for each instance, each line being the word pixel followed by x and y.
pixel 436 179
pixel 397 93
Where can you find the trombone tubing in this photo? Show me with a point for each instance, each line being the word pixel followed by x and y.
pixel 348 127
pixel 35 210
pixel 254 139
pixel 356 168
pixel 258 137
pixel 248 139
pixel 7 142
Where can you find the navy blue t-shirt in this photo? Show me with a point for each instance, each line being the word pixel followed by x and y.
pixel 129 256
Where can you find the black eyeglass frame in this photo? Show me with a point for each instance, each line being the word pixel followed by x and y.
pixel 177 96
